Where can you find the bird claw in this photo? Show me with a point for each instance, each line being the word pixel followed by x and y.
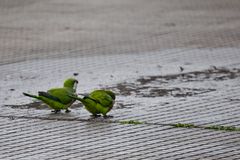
pixel 67 110
pixel 55 111
pixel 95 116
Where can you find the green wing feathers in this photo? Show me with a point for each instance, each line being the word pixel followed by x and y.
pixel 62 94
pixel 98 101
pixel 102 97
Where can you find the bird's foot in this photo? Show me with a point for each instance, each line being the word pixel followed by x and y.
pixel 106 117
pixel 67 110
pixel 56 111
pixel 95 116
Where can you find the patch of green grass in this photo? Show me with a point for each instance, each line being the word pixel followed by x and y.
pixel 188 125
pixel 223 128
pixel 213 127
pixel 131 122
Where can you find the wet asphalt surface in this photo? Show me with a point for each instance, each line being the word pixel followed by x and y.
pixel 168 63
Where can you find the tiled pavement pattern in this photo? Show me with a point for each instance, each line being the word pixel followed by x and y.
pixel 28 133
pixel 45 139
pixel 200 35
pixel 53 28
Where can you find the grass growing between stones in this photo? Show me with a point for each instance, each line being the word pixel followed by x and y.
pixel 212 127
pixel 131 122
pixel 223 128
pixel 188 125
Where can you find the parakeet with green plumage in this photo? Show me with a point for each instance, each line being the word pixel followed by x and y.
pixel 57 98
pixel 97 102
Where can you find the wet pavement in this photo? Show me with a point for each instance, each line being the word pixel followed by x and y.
pixel 169 63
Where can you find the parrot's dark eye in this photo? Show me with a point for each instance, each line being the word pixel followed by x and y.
pixel 76 81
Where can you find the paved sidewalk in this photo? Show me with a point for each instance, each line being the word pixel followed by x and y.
pixel 33 29
pixel 169 63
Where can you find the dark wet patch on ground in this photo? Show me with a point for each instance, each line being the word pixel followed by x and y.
pixel 214 73
pixel 158 86
pixel 177 92
pixel 38 105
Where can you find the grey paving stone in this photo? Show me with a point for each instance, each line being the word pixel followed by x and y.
pixel 119 42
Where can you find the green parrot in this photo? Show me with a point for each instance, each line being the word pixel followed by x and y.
pixel 57 98
pixel 97 102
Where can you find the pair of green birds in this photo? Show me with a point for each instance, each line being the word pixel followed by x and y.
pixel 97 102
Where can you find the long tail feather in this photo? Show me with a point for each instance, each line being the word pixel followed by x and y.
pixel 30 95
pixel 75 97
pixel 82 99
pixel 47 95
pixel 84 94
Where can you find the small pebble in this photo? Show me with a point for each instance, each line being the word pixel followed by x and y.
pixel 181 69
pixel 75 74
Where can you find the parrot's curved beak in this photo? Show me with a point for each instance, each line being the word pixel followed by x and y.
pixel 75 85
